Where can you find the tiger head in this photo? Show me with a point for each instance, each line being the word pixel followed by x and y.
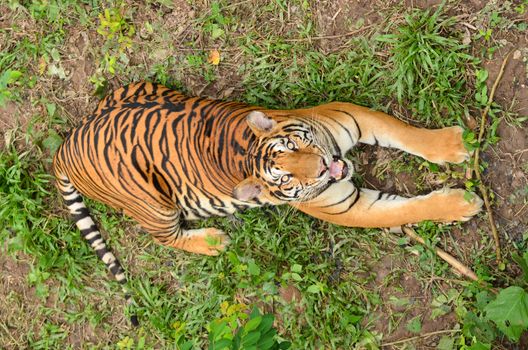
pixel 291 160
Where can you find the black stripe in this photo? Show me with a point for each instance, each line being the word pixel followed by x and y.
pixel 89 230
pixel 70 202
pixel 349 207
pixel 115 269
pixel 346 129
pixel 81 214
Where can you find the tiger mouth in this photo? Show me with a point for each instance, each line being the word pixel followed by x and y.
pixel 338 169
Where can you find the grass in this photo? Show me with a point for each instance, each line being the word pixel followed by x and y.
pixel 353 287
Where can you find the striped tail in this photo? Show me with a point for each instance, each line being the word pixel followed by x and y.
pixel 90 232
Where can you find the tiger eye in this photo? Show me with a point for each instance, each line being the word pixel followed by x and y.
pixel 285 179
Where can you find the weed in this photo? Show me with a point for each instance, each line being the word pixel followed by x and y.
pixel 278 79
pixel 118 32
pixel 8 77
pixel 430 67
pixel 215 23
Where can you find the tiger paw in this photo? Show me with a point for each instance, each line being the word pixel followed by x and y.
pixel 455 205
pixel 448 146
pixel 207 241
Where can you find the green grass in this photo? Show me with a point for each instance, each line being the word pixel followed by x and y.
pixel 414 66
pixel 429 67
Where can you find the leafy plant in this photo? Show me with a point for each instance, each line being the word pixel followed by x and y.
pixel 509 312
pixel 118 33
pixel 215 23
pixel 8 77
pixel 114 27
pixel 256 333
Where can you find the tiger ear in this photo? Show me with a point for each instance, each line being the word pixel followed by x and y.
pixel 248 189
pixel 260 123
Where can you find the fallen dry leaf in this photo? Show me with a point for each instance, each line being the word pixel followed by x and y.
pixel 42 65
pixel 214 57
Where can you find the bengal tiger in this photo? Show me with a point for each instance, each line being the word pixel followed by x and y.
pixel 162 157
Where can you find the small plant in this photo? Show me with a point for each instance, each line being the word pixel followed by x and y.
pixel 215 23
pixel 118 34
pixel 114 27
pixel 7 78
pixel 256 333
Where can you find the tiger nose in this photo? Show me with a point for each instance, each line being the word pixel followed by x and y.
pixel 322 167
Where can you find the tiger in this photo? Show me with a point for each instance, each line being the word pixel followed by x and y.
pixel 164 158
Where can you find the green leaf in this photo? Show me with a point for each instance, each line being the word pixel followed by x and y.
pixel 265 344
pixel 523 263
pixel 250 339
pixel 414 325
pixel 314 288
pixel 482 299
pixel 266 324
pixel 217 330
pixel 510 312
pixel 9 77
pixel 284 345
pixel 296 277
pixel 253 324
pixel 253 269
pixel 479 346
pixel 220 345
pixel 55 54
pixel 254 312
pixel 446 343
pixel 439 311
pixel 399 302
pixel 51 108
pixel 296 268
pixel 186 346
pixel 52 142
pixel 216 31
pixel 482 75
pixel 478 328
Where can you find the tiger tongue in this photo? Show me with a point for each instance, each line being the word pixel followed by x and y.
pixel 336 169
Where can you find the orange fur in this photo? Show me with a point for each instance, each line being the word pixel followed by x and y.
pixel 161 156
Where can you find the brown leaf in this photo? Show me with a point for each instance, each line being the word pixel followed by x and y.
pixel 214 57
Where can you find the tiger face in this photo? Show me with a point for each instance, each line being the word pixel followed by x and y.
pixel 291 161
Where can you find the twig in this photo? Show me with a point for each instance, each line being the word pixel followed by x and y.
pixel 520 210
pixel 457 265
pixel 330 36
pixel 425 335
pixel 476 166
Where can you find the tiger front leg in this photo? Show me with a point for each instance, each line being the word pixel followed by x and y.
pixel 373 127
pixel 344 204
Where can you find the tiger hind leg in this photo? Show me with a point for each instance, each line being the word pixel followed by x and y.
pixel 206 241
pixel 162 220
pixel 90 232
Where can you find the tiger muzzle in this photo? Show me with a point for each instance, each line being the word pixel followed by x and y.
pixel 339 169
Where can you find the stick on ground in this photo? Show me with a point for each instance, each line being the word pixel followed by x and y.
pixel 476 165
pixel 457 265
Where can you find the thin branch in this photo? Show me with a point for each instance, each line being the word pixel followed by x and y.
pixel 421 336
pixel 476 165
pixel 457 265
